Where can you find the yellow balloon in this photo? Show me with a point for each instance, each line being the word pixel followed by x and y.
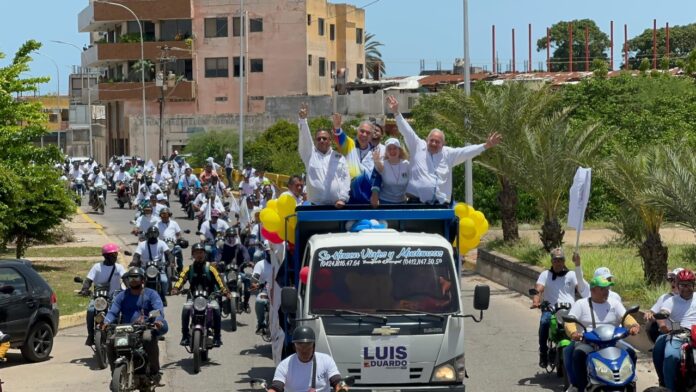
pixel 482 228
pixel 290 235
pixel 270 219
pixel 467 228
pixel 286 205
pixel 272 204
pixel 462 210
pixel 477 217
pixel 469 243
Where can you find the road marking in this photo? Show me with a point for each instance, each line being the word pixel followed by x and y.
pixel 97 226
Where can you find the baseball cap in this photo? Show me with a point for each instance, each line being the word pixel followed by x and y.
pixel 600 281
pixel 603 271
pixel 672 274
pixel 392 141
pixel 161 197
pixel 557 253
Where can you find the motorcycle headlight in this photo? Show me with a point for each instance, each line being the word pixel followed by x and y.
pixel 200 304
pixel 152 272
pixel 231 276
pixel 121 341
pixel 603 371
pixel 444 373
pixel 170 245
pixel 100 304
pixel 99 318
pixel 626 370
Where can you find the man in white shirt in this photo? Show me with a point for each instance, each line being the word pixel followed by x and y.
pixel 295 186
pixel 122 176
pixel 160 203
pixel 144 222
pixel 76 174
pixel 169 229
pixel 359 158
pixel 328 180
pixel 432 162
pixel 154 249
pixel 229 166
pixel 213 203
pixel 209 231
pixel 97 178
pixel 605 273
pixel 653 327
pixel 247 187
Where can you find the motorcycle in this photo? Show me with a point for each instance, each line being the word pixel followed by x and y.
pixel 102 302
pixel 558 340
pixel 686 374
pixel 124 195
pixel 263 295
pixel 131 367
pixel 166 186
pixel 175 247
pixel 188 202
pixel 232 279
pixel 259 384
pixel 608 366
pixel 79 185
pixel 201 328
pixel 153 268
pixel 97 198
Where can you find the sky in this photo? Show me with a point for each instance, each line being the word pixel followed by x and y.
pixel 411 30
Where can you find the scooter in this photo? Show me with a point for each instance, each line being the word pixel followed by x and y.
pixel 686 375
pixel 608 367
pixel 558 340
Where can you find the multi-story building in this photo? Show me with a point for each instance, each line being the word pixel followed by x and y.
pixel 56 110
pixel 288 47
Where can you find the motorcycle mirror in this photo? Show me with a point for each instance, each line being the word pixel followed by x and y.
pixel 77 279
pixel 350 381
pixel 533 291
pixel 570 319
pixel 258 383
pixel 187 231
pixel 154 314
pixel 127 253
pixel 633 309
pixel 661 316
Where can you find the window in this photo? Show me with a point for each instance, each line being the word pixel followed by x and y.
pixel 215 27
pixel 175 29
pixel 360 71
pixel 256 25
pixel 53 117
pixel 256 65
pixel 148 29
pixel 216 67
pixel 332 32
pixel 10 277
pixel 237 26
pixel 322 66
pixel 309 60
pixel 182 67
pixel 321 26
pixel 236 67
pixel 332 68
pixel 309 19
pixel 220 99
pixel 359 36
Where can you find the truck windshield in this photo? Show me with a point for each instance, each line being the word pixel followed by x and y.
pixel 383 279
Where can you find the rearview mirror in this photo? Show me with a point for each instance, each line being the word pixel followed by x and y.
pixel 127 253
pixel 533 291
pixel 482 297
pixel 288 300
pixel 77 279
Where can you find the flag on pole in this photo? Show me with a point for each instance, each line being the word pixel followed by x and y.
pixel 579 197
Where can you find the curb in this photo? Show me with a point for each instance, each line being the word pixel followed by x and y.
pixel 72 320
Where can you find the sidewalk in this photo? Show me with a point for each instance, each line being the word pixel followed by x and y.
pixel 671 235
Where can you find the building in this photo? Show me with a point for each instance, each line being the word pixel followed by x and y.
pixel 56 110
pixel 86 134
pixel 290 48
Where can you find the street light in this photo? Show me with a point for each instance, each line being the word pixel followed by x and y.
pixel 142 67
pixel 57 92
pixel 468 166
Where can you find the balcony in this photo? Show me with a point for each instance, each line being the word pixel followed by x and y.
pixel 101 53
pixel 97 16
pixel 132 91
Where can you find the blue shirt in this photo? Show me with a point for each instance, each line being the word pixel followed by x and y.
pixel 131 307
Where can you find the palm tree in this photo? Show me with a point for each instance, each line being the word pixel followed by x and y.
pixel 673 175
pixel 639 220
pixel 373 57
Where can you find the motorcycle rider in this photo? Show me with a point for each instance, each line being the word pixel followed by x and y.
pixel 133 305
pixel 160 202
pixel 106 272
pixel 682 309
pixel 74 174
pixel 295 372
pixel 594 311
pixel 233 251
pixel 168 228
pixel 557 285
pixel 187 180
pixel 653 328
pixel 205 275
pixel 217 186
pixel 97 178
pixel 207 173
pixel 144 221
pixel 262 275
pixel 154 249
pixel 213 203
pixel 151 187
pixel 210 229
pixel 122 176
pixel 606 273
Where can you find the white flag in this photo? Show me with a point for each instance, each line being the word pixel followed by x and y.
pixel 579 196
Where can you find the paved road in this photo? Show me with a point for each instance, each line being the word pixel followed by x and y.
pixel 501 350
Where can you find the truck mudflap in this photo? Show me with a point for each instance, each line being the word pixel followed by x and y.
pixel 414 388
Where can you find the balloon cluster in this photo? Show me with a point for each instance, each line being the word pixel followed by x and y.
pixel 273 218
pixel 472 226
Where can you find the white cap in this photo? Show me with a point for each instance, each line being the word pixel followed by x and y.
pixel 161 197
pixel 674 272
pixel 393 141
pixel 603 272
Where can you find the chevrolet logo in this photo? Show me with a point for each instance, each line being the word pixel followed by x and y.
pixel 385 331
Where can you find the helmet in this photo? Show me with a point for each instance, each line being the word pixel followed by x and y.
pixel 148 180
pixel 110 248
pixel 197 246
pixel 230 232
pixel 258 255
pixel 673 273
pixel 303 334
pixel 167 210
pixel 152 232
pixel 686 276
pixel 214 213
pixel 135 271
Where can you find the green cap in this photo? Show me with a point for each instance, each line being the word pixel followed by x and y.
pixel 600 281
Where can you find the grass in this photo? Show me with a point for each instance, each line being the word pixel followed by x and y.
pixel 623 261
pixel 57 251
pixel 60 274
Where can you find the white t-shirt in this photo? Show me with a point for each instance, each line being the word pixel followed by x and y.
pixel 144 222
pixel 100 273
pixel 660 301
pixel 228 161
pixel 200 199
pixel 394 182
pixel 168 230
pixel 97 179
pixel 247 188
pixel 297 375
pixel 76 173
pixel 219 227
pixel 561 290
pixel 122 177
pixel 265 271
pixel 157 250
pixel 681 310
pixel 607 313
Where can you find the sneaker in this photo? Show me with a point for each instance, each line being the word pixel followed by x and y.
pixel 543 360
pixel 185 341
pixel 89 341
pixel 217 342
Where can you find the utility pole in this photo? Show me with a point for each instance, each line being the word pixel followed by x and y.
pixel 468 166
pixel 163 81
pixel 241 83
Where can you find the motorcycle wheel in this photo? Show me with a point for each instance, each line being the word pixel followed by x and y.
pixel 119 378
pixel 233 317
pixel 225 308
pixel 189 211
pixel 120 204
pixel 100 349
pixel 552 355
pixel 101 208
pixel 196 350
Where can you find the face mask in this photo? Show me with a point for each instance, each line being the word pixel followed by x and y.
pixel 554 275
pixel 110 260
pixel 152 241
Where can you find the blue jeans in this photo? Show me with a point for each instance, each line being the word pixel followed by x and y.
pixel 544 324
pixel 261 307
pixel 666 355
pixel 246 280
pixel 90 318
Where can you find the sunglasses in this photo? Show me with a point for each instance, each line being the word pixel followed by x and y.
pixel 686 285
pixel 322 139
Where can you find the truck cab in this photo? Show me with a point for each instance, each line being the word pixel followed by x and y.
pixel 381 290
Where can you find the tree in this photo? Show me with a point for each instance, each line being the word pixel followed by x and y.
pixel 559 37
pixel 214 144
pixel 32 198
pixel 682 39
pixel 373 57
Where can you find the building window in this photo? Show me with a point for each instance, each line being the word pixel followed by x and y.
pixel 216 67
pixel 220 99
pixel 256 65
pixel 309 19
pixel 237 26
pixel 332 32
pixel 175 29
pixel 148 29
pixel 255 25
pixel 309 60
pixel 182 68
pixel 215 27
pixel 361 69
pixel 332 69
pixel 236 67
pixel 321 26
pixel 358 36
pixel 322 66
